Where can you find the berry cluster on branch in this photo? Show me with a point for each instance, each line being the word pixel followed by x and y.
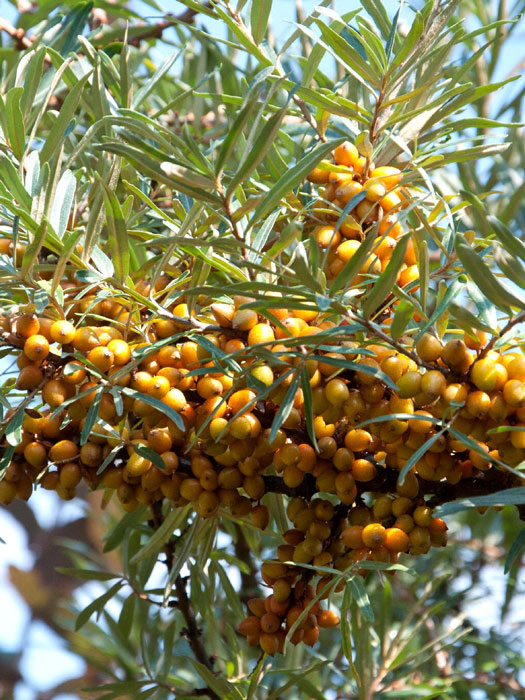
pixel 221 405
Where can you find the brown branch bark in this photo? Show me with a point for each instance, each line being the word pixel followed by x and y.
pixel 22 42
pixel 155 31
pixel 193 631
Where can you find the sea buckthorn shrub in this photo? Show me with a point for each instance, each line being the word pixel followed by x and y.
pixel 272 317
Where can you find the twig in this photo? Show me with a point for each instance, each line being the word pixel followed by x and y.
pixel 193 632
pixel 373 328
pixel 156 31
pixel 513 322
pixel 19 35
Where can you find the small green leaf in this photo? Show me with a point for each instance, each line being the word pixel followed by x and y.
pixel 97 605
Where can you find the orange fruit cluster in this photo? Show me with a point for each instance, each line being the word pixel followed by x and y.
pixel 181 407
pixel 376 194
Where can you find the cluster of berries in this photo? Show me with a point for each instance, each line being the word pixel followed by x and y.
pixel 183 407
pixel 378 194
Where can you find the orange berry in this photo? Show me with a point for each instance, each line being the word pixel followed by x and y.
pixel 374 535
pixel 346 154
pixel 29 378
pixel 327 619
pixel 396 540
pixel 27 325
pixel 363 470
pixel 261 333
pixel 62 332
pixel 101 357
pixel 36 347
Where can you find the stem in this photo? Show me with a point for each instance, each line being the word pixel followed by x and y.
pixel 193 631
pixel 511 323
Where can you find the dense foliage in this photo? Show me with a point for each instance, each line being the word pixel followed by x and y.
pixel 271 313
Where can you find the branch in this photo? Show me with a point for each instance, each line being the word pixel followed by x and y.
pixel 22 42
pixel 155 31
pixel 193 631
pixel 513 322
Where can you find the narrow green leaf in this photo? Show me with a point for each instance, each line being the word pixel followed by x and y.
pixel 63 202
pixel 58 131
pixel 259 149
pixel 158 539
pixel 392 34
pixel 510 266
pixel 515 550
pixel 285 408
pixel 346 631
pixel 125 619
pixel 119 233
pixel 259 18
pixel 13 433
pixel 292 178
pixel 87 574
pixel 31 79
pixel 233 135
pixel 308 406
pixel 219 685
pixel 512 497
pixel 508 240
pixel 452 292
pixel 92 415
pixel 15 121
pixel 281 691
pixel 361 597
pixel 234 602
pixel 485 280
pixel 33 249
pixel 157 403
pixel 97 605
pixel 402 317
pixel 151 82
pixel 9 177
pixel 384 284
pixel 346 54
pixel 148 453
pixel 182 556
